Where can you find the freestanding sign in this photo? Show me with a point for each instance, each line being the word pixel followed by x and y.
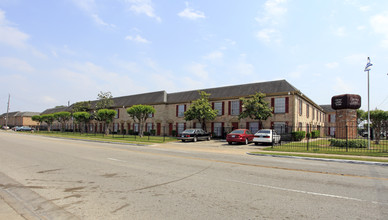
pixel 347 101
pixel 346 115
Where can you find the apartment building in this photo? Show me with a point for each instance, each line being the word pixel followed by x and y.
pixel 19 119
pixel 292 110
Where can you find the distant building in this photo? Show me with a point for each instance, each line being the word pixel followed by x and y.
pixel 330 122
pixel 19 119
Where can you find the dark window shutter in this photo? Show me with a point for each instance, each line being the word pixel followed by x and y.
pixel 229 108
pixel 194 124
pixel 184 109
pixel 287 104
pixel 177 106
pixel 247 125
pixel 240 107
pixel 329 117
pixel 272 124
pixel 273 104
pixel 212 127
pixel 223 107
pixel 213 105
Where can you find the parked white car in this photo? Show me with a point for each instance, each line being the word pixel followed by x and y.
pixel 266 136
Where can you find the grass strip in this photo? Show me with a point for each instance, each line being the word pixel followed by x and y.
pixel 325 156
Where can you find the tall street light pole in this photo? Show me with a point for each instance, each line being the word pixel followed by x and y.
pixel 367 68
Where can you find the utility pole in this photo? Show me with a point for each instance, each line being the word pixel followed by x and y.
pixel 6 119
pixel 367 68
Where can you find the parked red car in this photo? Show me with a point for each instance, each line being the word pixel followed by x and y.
pixel 240 135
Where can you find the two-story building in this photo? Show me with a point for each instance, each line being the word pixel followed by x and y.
pixel 292 110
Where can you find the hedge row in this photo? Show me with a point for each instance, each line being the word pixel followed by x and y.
pixel 350 143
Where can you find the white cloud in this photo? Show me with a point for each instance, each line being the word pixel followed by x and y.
pixel 269 36
pixel 100 22
pixel 379 24
pixel 242 67
pixel 15 64
pixel 90 8
pixel 332 65
pixel 11 36
pixel 198 70
pixel 215 55
pixel 300 69
pixel 137 39
pixel 274 11
pixel 340 86
pixel 339 31
pixel 191 14
pixel 271 20
pixel 143 7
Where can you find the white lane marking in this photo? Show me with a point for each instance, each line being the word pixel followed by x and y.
pixel 306 192
pixel 116 159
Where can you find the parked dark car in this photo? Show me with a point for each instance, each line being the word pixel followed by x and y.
pixel 240 136
pixel 23 128
pixel 194 135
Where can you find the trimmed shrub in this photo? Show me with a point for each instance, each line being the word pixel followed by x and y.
pixel 308 135
pixel 173 133
pixel 146 133
pixel 298 135
pixel 153 132
pixel 315 134
pixel 351 143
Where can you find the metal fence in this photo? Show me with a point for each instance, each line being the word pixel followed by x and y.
pixel 333 139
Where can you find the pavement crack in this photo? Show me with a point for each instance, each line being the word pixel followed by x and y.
pixel 173 181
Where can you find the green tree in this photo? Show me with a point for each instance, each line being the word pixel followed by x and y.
pixel 49 119
pixel 82 118
pixel 201 110
pixel 106 116
pixel 378 118
pixel 81 106
pixel 104 100
pixel 38 119
pixel 255 107
pixel 62 117
pixel 140 113
pixel 361 116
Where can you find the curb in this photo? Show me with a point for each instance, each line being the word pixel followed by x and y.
pixel 324 159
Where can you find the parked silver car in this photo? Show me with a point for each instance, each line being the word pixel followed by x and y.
pixel 266 136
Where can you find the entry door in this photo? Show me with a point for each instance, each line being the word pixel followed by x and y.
pixel 234 125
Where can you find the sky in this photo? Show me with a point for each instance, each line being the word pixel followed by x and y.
pixel 57 52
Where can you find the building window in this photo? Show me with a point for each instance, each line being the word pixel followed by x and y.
pixel 136 127
pixel 218 129
pixel 313 113
pixel 235 107
pixel 332 118
pixel 300 126
pixel 253 127
pixel 117 113
pixel 279 127
pixel 181 128
pixel 149 127
pixel 115 127
pixel 300 107
pixel 181 110
pixel 307 110
pixel 198 125
pixel 218 107
pixel 280 105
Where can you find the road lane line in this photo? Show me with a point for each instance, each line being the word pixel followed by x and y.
pixel 306 192
pixel 116 159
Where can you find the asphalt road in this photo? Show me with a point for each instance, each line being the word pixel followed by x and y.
pixel 47 178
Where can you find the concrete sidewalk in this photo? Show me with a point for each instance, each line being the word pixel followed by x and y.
pixel 7 212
